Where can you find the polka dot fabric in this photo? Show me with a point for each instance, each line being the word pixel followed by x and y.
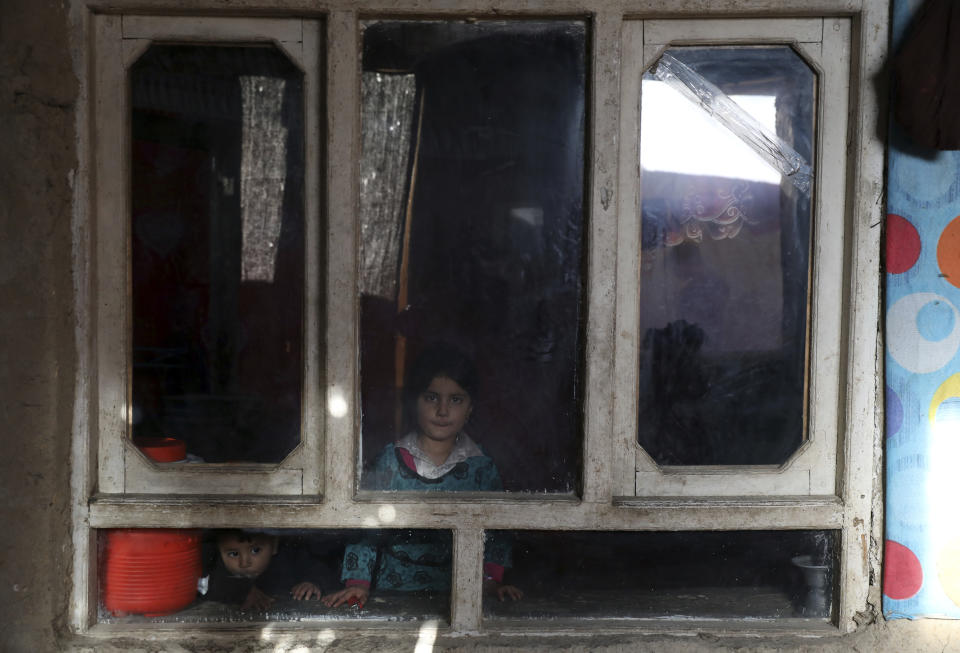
pixel 921 563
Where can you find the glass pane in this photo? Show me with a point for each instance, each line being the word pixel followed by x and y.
pixel 726 144
pixel 472 239
pixel 707 575
pixel 217 250
pixel 203 576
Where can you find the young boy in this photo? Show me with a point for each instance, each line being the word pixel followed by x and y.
pixel 253 568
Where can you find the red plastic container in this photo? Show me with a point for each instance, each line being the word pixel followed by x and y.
pixel 150 571
pixel 162 450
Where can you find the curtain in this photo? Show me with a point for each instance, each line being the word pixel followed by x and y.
pixel 921 554
pixel 387 118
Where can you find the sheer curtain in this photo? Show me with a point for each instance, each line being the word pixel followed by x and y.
pixel 387 117
pixel 263 172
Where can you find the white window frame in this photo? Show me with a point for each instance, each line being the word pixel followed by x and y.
pixel 811 470
pixel 123 469
pixel 106 471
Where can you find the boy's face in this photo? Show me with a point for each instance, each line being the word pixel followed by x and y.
pixel 248 557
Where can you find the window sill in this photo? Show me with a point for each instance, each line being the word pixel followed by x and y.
pixel 534 632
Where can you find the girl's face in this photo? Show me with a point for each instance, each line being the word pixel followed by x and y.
pixel 443 409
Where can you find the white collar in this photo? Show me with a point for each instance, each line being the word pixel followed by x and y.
pixel 463 448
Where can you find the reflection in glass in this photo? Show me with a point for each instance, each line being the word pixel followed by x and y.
pixel 726 145
pixel 203 576
pixel 217 250
pixel 471 222
pixel 708 575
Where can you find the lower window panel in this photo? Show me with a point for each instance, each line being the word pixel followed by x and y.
pixel 235 575
pixel 726 575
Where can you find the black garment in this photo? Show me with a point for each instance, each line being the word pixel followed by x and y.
pixel 290 566
pixel 925 71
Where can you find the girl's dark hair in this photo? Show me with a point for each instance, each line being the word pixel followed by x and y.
pixel 437 360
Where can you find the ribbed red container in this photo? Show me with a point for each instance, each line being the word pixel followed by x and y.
pixel 150 571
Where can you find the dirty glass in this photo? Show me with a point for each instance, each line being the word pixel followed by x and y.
pixel 217 254
pixel 471 223
pixel 726 152
pixel 754 575
pixel 235 575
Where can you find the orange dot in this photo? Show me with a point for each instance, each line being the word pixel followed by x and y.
pixel 948 252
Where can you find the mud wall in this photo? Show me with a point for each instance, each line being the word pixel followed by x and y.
pixel 38 91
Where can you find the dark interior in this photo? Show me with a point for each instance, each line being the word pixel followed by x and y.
pixel 217 351
pixel 496 237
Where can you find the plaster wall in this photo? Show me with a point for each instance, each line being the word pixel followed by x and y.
pixel 39 95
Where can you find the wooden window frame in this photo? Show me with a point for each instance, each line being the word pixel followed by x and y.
pixel 812 469
pixel 123 469
pixel 104 496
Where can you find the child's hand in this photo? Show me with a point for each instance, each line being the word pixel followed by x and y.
pixel 353 595
pixel 305 590
pixel 256 600
pixel 503 592
pixel 512 592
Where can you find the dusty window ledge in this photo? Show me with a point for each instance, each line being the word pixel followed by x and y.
pixel 734 502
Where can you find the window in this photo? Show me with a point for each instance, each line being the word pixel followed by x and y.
pixel 149 576
pixel 215 239
pixel 732 334
pixel 705 575
pixel 725 255
pixel 472 225
pixel 217 250
pixel 351 172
